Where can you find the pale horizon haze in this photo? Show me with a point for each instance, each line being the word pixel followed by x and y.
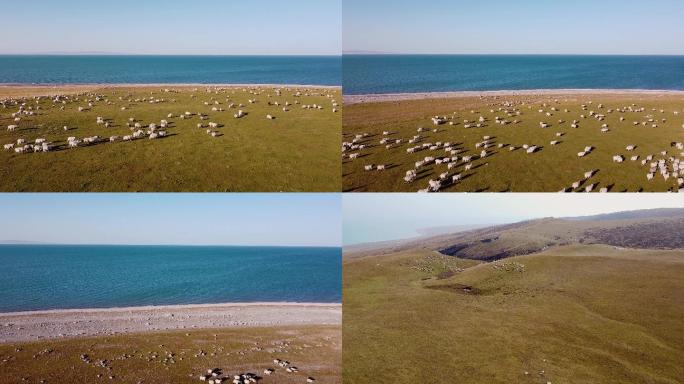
pixel 236 219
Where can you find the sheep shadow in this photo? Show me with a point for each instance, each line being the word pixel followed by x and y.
pixel 356 189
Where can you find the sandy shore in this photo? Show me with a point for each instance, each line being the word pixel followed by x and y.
pixel 376 98
pixel 55 324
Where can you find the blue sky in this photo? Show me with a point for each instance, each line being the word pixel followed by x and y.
pixel 520 26
pixel 378 217
pixel 228 27
pixel 190 219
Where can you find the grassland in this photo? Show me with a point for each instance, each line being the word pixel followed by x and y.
pixel 570 314
pixel 551 168
pixel 297 151
pixel 177 357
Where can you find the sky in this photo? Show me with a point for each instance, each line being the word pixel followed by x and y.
pixel 514 27
pixel 378 217
pixel 208 27
pixel 300 219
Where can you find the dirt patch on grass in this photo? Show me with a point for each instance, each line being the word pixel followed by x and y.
pixel 456 288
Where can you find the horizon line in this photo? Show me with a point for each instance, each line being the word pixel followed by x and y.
pixel 18 242
pixel 371 53
pixel 168 54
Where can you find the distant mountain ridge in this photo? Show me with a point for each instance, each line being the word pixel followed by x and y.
pixel 22 242
pixel 628 215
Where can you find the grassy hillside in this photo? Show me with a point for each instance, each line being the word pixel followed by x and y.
pixel 551 168
pixel 574 314
pixel 177 357
pixel 297 151
pixel 491 243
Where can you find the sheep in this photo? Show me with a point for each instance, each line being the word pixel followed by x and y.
pixel 11 128
pixel 456 178
pixel 8 146
pixel 369 167
pixel 113 139
pixel 270 117
pixel 434 185
pixel 127 138
pixel 532 149
pixel 618 159
pixel 630 147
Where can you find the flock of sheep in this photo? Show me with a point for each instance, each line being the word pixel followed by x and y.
pixel 216 376
pixel 458 161
pixel 28 108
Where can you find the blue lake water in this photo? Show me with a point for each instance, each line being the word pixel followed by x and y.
pixel 48 69
pixel 372 74
pixel 36 277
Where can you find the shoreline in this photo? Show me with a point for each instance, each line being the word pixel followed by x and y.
pixel 124 85
pixel 383 97
pixel 28 326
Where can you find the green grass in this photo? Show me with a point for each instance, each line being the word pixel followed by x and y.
pixel 315 350
pixel 298 151
pixel 549 170
pixel 579 314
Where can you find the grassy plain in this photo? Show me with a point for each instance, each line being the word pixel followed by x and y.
pixel 298 151
pixel 552 168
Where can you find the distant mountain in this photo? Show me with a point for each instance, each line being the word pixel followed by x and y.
pixel 637 214
pixel 21 242
pixel 365 53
